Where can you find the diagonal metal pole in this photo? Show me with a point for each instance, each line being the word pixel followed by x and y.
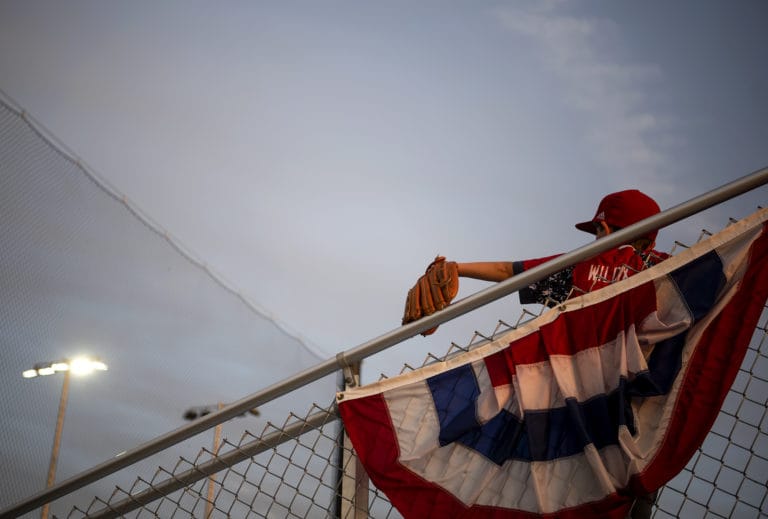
pixel 497 291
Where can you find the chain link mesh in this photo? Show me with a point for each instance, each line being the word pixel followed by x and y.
pixel 300 475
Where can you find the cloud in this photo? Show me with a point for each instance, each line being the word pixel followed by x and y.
pixel 606 93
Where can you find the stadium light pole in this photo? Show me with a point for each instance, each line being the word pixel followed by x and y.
pixel 198 412
pixel 78 366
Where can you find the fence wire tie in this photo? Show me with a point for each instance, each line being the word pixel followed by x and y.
pixel 454 347
pixel 477 338
pixel 430 358
pixel 677 245
pixel 704 234
pixel 478 334
pixel 501 324
pixel 527 315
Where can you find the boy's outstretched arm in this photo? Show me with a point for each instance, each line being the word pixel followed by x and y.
pixel 486 270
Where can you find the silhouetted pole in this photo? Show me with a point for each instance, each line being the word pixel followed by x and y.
pixel 57 440
pixel 212 477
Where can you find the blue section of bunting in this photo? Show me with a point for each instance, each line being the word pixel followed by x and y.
pixel 455 394
pixel 565 431
pixel 543 435
pixel 503 437
pixel 700 284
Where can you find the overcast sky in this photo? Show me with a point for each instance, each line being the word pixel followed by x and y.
pixel 318 155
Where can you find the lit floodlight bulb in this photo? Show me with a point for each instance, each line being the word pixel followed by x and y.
pixel 81 366
pixel 47 370
pixel 98 365
pixel 60 366
pixel 30 373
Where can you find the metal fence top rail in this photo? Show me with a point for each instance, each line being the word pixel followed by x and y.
pixel 353 355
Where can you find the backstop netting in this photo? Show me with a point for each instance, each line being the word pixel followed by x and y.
pixel 82 269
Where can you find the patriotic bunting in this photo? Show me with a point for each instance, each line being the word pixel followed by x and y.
pixel 579 411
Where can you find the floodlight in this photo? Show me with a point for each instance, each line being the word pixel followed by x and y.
pixel 81 366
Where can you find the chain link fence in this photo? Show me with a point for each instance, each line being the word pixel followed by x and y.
pixel 297 469
pixel 302 467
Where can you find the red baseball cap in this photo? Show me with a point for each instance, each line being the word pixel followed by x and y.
pixel 622 209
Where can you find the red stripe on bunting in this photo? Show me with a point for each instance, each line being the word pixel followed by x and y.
pixel 597 324
pixel 370 428
pixel 575 331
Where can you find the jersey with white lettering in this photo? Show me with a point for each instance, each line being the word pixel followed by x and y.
pixel 602 270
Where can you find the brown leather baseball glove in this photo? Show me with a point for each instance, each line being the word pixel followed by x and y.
pixel 432 292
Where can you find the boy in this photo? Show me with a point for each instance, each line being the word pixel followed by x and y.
pixel 616 211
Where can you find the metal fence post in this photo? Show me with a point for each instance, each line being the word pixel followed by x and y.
pixel 354 479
